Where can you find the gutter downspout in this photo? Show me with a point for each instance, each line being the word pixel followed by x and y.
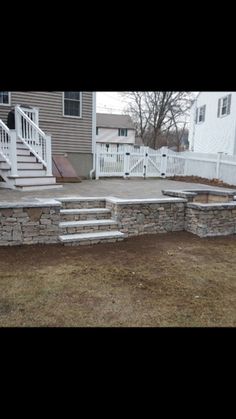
pixel 94 123
pixel 234 148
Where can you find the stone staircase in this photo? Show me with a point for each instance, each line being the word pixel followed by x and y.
pixel 86 221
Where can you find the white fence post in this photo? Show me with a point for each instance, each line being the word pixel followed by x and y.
pixel 49 155
pixel 126 161
pixel 219 156
pixel 13 153
pixel 164 153
pixel 145 161
pixel 185 166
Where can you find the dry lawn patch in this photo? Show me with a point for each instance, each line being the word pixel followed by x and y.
pixel 161 280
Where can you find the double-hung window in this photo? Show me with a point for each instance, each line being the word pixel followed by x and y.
pixel 224 106
pixel 122 132
pixel 200 114
pixel 72 104
pixel 4 98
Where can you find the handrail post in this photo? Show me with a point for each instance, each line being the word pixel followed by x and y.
pixel 13 153
pixel 17 121
pixel 48 155
pixel 36 116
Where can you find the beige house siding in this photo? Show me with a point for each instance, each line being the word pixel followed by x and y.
pixel 110 135
pixel 69 135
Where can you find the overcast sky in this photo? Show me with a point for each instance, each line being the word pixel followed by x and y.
pixel 110 102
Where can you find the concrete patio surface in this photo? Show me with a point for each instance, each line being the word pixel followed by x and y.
pixel 121 188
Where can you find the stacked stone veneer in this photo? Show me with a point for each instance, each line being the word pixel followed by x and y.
pixel 29 222
pixel 211 219
pixel 38 221
pixel 140 216
pixel 208 212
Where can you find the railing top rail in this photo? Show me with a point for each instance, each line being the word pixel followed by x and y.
pixel 33 109
pixel 31 122
pixel 4 126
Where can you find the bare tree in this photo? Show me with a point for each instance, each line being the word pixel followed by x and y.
pixel 177 138
pixel 156 113
pixel 137 110
pixel 179 126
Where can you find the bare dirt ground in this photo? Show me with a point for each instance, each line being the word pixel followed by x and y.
pixel 203 181
pixel 161 280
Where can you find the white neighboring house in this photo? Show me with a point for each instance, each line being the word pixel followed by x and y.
pixel 213 123
pixel 112 128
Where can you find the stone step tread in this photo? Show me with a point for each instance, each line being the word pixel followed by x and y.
pixel 85 211
pixel 31 177
pixel 38 187
pixel 91 236
pixel 79 199
pixel 87 223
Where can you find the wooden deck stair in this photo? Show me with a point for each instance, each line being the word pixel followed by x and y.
pixel 25 155
pixel 31 174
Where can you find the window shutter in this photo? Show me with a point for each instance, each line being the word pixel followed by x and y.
pixel 229 104
pixel 204 113
pixel 196 116
pixel 218 112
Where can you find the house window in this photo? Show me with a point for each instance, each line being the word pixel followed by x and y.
pixel 200 114
pixel 4 98
pixel 122 132
pixel 72 104
pixel 224 106
pixel 97 130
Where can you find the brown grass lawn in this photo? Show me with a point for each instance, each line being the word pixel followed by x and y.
pixel 174 279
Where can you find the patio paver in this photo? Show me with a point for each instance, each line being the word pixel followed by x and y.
pixel 121 188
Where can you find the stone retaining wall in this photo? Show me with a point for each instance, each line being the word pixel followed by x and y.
pixel 29 222
pixel 207 220
pixel 141 216
pixel 38 221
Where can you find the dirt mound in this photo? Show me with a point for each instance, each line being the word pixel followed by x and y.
pixel 197 179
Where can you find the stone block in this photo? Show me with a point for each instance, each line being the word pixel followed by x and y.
pixel 34 213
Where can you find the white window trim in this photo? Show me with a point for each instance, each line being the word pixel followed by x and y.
pixel 221 106
pixel 72 116
pixel 9 99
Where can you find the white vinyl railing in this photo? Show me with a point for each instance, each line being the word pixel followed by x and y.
pixel 5 142
pixel 32 113
pixel 34 138
pixel 110 160
pixel 128 161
